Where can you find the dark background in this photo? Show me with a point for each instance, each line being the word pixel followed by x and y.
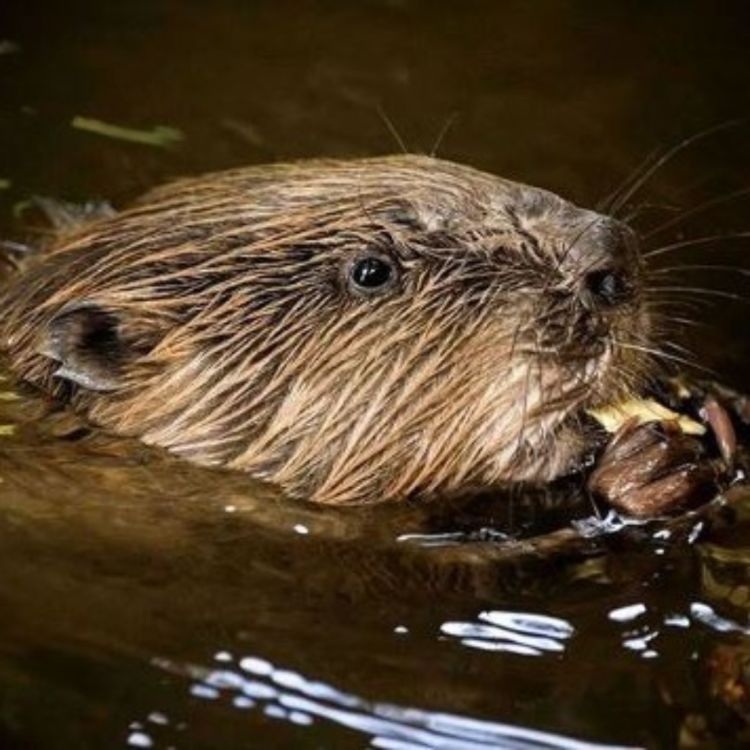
pixel 568 94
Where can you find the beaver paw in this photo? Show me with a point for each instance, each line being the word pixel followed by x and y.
pixel 651 469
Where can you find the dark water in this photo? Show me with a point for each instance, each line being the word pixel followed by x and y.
pixel 146 603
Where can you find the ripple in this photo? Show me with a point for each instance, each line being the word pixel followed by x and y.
pixel 285 695
pixel 140 739
pixel 706 615
pixel 524 633
pixel 450 538
pixel 627 613
pixel 638 636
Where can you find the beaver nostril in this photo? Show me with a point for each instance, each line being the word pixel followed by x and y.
pixel 608 287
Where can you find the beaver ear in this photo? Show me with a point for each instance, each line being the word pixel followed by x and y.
pixel 85 340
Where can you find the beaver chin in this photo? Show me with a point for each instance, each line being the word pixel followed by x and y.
pixel 573 378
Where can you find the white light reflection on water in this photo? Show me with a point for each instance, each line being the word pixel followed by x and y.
pixel 447 539
pixel 706 615
pixel 523 633
pixel 627 613
pixel 139 739
pixel 640 636
pixel 288 696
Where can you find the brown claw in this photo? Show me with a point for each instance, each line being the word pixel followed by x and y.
pixel 721 424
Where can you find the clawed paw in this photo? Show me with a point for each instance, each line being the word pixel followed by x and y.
pixel 652 469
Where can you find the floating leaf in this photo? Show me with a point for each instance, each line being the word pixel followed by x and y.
pixel 6 430
pixel 4 183
pixel 162 136
pixel 9 396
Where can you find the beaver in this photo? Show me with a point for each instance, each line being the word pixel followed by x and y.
pixel 355 331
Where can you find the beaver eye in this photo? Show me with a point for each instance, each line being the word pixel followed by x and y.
pixel 372 273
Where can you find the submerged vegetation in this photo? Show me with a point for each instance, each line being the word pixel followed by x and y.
pixel 161 136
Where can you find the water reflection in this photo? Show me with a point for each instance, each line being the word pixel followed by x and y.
pixel 643 629
pixel 706 615
pixel 523 633
pixel 251 682
pixel 627 613
pixel 454 628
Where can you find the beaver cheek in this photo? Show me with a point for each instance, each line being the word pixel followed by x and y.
pixel 85 342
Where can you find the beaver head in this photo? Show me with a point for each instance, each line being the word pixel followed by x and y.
pixel 354 331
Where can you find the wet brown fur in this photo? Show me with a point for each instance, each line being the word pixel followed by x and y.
pixel 232 337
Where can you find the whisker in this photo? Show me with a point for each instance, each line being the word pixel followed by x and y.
pixel 684 321
pixel 670 357
pixel 692 305
pixel 603 205
pixel 447 125
pixel 670 154
pixel 702 290
pixel 699 267
pixel 392 129
pixel 700 208
pixel 694 242
pixel 678 347
pixel 641 207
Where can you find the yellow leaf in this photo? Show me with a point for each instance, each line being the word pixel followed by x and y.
pixel 644 410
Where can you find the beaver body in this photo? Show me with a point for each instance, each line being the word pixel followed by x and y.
pixel 354 331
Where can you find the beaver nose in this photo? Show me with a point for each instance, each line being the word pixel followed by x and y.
pixel 608 287
pixel 610 277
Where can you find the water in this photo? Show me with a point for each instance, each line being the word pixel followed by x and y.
pixel 148 603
